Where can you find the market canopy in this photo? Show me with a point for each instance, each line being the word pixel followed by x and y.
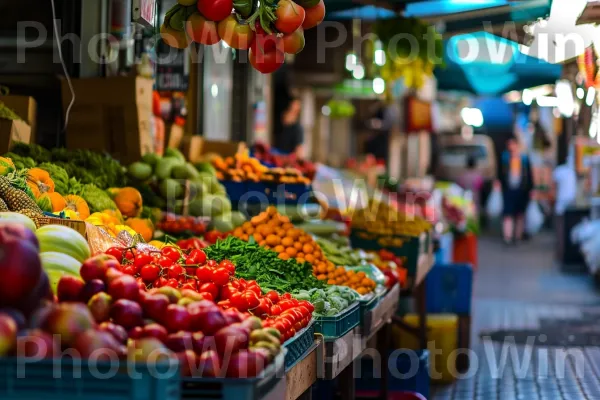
pixel 485 64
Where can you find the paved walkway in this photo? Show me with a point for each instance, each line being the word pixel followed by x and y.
pixel 519 288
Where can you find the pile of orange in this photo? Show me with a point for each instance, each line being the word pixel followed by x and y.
pixel 276 232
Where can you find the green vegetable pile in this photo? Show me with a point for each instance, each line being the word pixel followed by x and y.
pixel 339 254
pixel 97 199
pixel 328 302
pixel 84 165
pixel 257 263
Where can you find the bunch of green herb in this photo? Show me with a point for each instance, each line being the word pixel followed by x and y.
pixel 257 263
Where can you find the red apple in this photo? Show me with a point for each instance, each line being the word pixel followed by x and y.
pixel 37 344
pixel 116 330
pixel 136 332
pixel 177 318
pixel 246 364
pixel 124 287
pixel 41 292
pixel 20 269
pixel 111 275
pixel 156 331
pixel 126 313
pixel 155 306
pixel 149 350
pixel 8 333
pixel 173 294
pixel 191 294
pixel 69 288
pixel 68 320
pixel 10 231
pixel 96 267
pixel 38 317
pixel 97 345
pixel 209 364
pixel 180 341
pixel 91 288
pixel 231 339
pixel 99 306
pixel 232 316
pixel 188 362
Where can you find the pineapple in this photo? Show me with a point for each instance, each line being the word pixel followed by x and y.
pixel 3 206
pixel 17 200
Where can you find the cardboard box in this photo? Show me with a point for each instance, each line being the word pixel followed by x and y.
pixel 194 147
pixel 111 115
pixel 25 107
pixel 79 226
pixel 12 132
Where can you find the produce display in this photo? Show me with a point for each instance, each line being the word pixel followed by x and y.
pixel 264 154
pixel 340 254
pixel 330 301
pixel 242 167
pixel 267 29
pixel 382 219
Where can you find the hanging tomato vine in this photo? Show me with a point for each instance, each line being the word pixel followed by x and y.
pixel 268 29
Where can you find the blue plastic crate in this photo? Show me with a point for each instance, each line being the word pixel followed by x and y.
pixel 340 324
pixel 235 190
pixel 403 377
pixel 68 379
pixel 288 193
pixel 298 345
pixel 449 289
pixel 231 388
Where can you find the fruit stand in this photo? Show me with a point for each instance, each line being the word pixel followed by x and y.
pixel 151 258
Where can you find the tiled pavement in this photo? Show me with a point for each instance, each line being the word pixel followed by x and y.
pixel 515 288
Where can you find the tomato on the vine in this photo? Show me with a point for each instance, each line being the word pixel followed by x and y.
pixel 164 261
pixel 160 282
pixel 150 272
pixel 204 273
pixel 215 10
pixel 276 310
pixel 173 283
pixel 142 259
pixel 211 263
pixel 273 296
pixel 290 16
pixel 198 256
pixel 175 271
pixel 294 42
pixel 251 299
pixel 129 270
pixel 171 253
pixel 238 301
pixel 209 287
pixel 266 62
pixel 116 252
pixel 314 15
pixel 262 309
pixel 220 276
pixel 228 265
pixel 204 31
pixel 238 35
pixel 207 296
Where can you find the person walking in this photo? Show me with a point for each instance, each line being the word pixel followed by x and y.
pixel 517 184
pixel 472 180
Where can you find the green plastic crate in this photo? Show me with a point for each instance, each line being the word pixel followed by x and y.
pixel 338 325
pixel 69 379
pixel 299 344
pixel 236 388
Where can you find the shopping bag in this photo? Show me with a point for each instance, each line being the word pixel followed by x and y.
pixel 534 218
pixel 494 204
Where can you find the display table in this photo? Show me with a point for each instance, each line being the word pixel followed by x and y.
pixel 304 374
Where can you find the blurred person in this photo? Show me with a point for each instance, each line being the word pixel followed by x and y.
pixel 290 138
pixel 517 184
pixel 472 179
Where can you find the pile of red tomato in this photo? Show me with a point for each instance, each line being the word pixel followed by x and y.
pixel 174 224
pixel 191 270
pixel 268 29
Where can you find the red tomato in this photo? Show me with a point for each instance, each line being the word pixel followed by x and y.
pixel 294 42
pixel 286 296
pixel 175 271
pixel 207 296
pixel 262 310
pixel 209 287
pixel 204 273
pixel 236 284
pixel 228 265
pixel 238 36
pixel 238 301
pixel 129 270
pixel 303 310
pixel 211 263
pixel 308 305
pixel 171 253
pixel 142 259
pixel 116 252
pixel 129 254
pixel 263 42
pixel 286 304
pixel 251 299
pixel 298 326
pixel 173 283
pixel 253 286
pixel 273 296
pixel 276 310
pixel 199 256
pixel 204 31
pixel 160 282
pixel 266 62
pixel 150 272
pixel 220 276
pixel 290 16
pixel 215 10
pixel 164 261
pixel 227 291
pixel 314 15
pixel 188 286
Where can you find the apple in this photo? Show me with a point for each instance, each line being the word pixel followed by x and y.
pixel 100 345
pixel 177 318
pixel 156 331
pixel 136 332
pixel 96 267
pixel 246 364
pixel 188 362
pixel 208 321
pixel 124 287
pixel 231 339
pixel 127 313
pixel 41 292
pixel 253 323
pixel 8 333
pixel 117 331
pixel 69 288
pixel 99 306
pixel 111 274
pixel 180 341
pixel 232 316
pixel 19 232
pixel 155 306
pixel 91 288
pixel 20 269
pixel 68 320
pixel 173 294
pixel 209 364
pixel 38 317
pixel 37 344
pixel 191 294
pixel 148 350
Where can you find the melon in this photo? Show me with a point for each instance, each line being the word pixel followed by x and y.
pixel 165 166
pixel 62 239
pixel 174 153
pixel 18 219
pixel 205 167
pixel 210 206
pixel 237 218
pixel 223 223
pixel 140 171
pixel 151 158
pixel 171 189
pixel 57 265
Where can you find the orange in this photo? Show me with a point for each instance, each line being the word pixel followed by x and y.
pixel 281 232
pixel 258 237
pixel 273 240
pixel 300 254
pixel 287 241
pixel 245 237
pixel 279 249
pixel 294 233
pixel 321 277
pixel 287 226
pixel 284 256
pixel 250 231
pixel 291 251
pixel 310 258
pixel 247 225
pixel 331 282
pixel 237 232
pixel 303 239
pixel 298 246
pixel 307 249
pixel 300 260
pixel 262 243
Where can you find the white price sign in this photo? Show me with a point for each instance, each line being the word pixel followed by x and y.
pixel 144 12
